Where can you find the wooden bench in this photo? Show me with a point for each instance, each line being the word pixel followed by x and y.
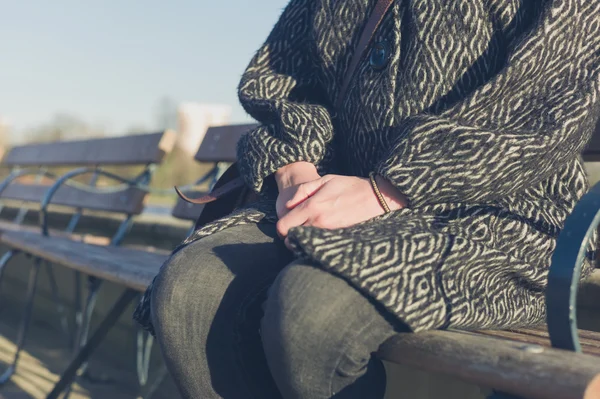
pixel 62 248
pixel 518 362
pixel 36 179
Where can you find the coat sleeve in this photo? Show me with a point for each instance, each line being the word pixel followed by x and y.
pixel 279 88
pixel 533 117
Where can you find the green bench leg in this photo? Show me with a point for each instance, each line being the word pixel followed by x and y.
pixel 24 327
pixel 149 388
pixel 60 308
pixel 145 342
pixel 78 308
pixel 84 326
pixel 86 351
pixel 4 261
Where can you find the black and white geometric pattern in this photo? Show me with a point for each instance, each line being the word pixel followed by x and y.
pixel 478 117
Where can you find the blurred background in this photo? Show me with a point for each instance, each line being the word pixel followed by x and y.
pixel 71 69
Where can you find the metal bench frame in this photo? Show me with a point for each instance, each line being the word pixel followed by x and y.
pixel 565 272
pixel 83 317
pixel 83 311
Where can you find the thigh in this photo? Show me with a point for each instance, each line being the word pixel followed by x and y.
pixel 324 316
pixel 245 253
pixel 303 293
pixel 203 313
pixel 319 333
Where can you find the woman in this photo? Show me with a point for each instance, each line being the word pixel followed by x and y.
pixel 470 113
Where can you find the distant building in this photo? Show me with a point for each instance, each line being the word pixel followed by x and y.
pixel 193 119
pixel 4 125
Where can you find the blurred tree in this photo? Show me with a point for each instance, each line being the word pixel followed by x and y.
pixel 179 169
pixel 4 136
pixel 63 127
pixel 137 129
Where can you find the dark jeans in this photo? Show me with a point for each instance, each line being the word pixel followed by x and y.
pixel 236 318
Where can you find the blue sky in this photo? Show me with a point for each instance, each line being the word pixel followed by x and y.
pixel 109 62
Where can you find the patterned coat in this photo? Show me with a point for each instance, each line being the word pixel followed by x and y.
pixel 476 110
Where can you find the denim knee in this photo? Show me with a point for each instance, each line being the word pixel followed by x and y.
pixel 168 294
pixel 309 332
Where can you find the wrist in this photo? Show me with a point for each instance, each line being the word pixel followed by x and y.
pixel 391 195
pixel 291 174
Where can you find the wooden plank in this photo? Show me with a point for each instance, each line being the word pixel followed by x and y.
pixel 590 341
pixel 524 370
pixel 127 201
pixel 125 266
pixel 186 211
pixel 219 143
pixel 79 237
pixel 126 150
pixel 87 238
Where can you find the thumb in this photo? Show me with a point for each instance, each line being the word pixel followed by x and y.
pixel 304 191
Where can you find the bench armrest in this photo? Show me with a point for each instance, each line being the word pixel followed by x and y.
pixel 140 182
pixel 24 172
pixel 565 271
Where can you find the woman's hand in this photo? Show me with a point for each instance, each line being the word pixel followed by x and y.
pixel 334 201
pixel 289 180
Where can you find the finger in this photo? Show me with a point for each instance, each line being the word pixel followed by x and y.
pixel 304 191
pixel 296 217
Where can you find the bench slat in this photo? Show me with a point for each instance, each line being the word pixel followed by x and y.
pixel 127 201
pixel 126 150
pixel 590 346
pixel 542 331
pixel 219 143
pixel 88 238
pixel 125 266
pixel 512 367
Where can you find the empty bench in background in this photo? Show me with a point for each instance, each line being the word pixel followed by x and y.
pixel 31 184
pixel 128 267
pixel 520 362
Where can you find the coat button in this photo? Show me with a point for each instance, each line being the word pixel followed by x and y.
pixel 380 54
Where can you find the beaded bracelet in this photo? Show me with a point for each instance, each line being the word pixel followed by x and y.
pixel 384 205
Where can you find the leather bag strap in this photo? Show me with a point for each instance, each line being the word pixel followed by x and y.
pixel 366 37
pixel 215 194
